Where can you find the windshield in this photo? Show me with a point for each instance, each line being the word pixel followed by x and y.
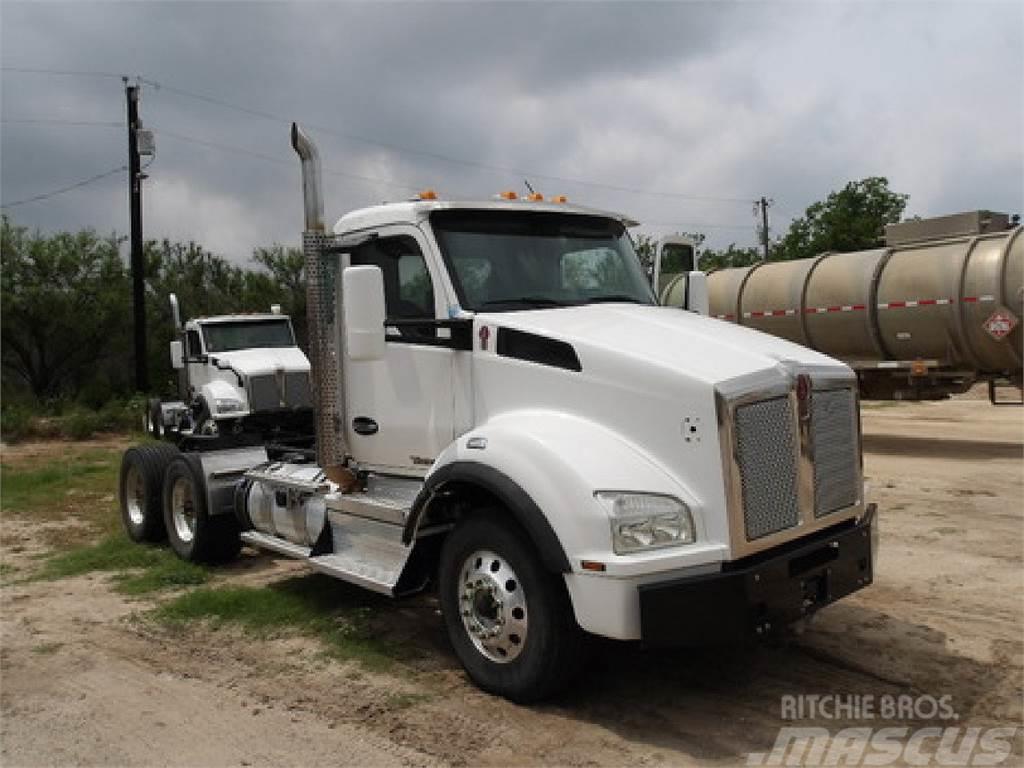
pixel 508 260
pixel 247 334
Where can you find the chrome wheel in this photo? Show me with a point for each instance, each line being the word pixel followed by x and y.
pixel 183 509
pixel 135 495
pixel 492 605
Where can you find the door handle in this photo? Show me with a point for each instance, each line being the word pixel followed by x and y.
pixel 364 425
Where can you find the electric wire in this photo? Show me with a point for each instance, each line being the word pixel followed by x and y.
pixel 62 190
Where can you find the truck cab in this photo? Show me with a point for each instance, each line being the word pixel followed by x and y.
pixel 505 414
pixel 236 373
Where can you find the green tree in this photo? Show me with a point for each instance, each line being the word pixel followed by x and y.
pixel 732 256
pixel 851 219
pixel 65 302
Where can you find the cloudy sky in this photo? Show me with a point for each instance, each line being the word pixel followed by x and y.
pixel 680 114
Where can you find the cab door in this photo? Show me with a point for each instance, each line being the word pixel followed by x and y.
pixel 400 409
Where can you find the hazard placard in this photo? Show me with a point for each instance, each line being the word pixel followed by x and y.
pixel 999 324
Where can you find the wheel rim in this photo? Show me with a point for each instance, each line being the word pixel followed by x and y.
pixel 135 496
pixel 183 509
pixel 492 604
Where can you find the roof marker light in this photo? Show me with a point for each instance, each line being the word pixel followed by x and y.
pixel 428 194
pixel 508 194
pixel 535 197
pixel 559 199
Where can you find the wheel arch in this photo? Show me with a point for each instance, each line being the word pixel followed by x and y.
pixel 474 481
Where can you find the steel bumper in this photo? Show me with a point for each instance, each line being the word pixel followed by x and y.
pixel 759 594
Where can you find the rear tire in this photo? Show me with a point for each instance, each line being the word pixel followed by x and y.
pixel 509 620
pixel 140 490
pixel 192 532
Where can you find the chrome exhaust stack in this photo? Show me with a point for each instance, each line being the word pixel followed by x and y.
pixel 322 316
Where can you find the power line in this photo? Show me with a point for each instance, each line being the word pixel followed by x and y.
pixel 279 160
pixel 264 115
pixel 58 121
pixel 434 155
pixel 62 190
pixel 61 72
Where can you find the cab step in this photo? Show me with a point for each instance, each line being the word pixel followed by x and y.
pixel 275 544
pixel 367 552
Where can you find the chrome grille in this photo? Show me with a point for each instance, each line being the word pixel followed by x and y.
pixel 766 454
pixel 266 394
pixel 834 440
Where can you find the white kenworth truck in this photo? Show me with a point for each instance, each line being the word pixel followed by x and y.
pixel 504 413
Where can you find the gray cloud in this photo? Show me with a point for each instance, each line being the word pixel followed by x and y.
pixel 711 100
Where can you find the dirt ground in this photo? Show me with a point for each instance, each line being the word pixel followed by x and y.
pixel 86 680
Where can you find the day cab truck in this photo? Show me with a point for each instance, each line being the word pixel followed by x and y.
pixel 504 414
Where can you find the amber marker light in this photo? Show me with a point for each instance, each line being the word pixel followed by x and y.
pixel 428 194
pixel 508 194
pixel 592 565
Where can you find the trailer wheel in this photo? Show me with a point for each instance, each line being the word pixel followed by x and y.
pixel 509 620
pixel 140 490
pixel 192 532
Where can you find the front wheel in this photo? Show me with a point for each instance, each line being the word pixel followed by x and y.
pixel 192 532
pixel 509 620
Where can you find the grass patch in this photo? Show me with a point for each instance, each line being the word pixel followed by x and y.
pixel 160 568
pixel 46 648
pixel 308 605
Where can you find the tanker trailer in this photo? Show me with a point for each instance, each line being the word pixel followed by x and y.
pixel 932 312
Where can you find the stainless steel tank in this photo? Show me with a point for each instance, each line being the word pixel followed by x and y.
pixel 938 305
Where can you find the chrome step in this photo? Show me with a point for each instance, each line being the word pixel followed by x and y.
pixel 387 499
pixel 367 552
pixel 274 543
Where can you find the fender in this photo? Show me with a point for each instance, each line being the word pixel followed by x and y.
pixel 518 502
pixel 545 466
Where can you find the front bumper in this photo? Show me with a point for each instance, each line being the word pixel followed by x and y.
pixel 760 593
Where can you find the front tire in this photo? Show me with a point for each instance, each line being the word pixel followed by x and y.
pixel 140 490
pixel 509 620
pixel 192 532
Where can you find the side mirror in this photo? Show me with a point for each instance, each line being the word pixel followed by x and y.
pixel 177 355
pixel 362 299
pixel 697 299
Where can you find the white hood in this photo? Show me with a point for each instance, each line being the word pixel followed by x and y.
pixel 264 360
pixel 699 348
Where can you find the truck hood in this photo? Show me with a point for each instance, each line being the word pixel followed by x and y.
pixel 700 348
pixel 263 360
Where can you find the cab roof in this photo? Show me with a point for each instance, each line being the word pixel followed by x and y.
pixel 415 211
pixel 241 317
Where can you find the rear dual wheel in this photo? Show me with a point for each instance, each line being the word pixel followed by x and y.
pixel 193 533
pixel 141 490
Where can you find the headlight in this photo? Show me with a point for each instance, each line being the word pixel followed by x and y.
pixel 229 405
pixel 642 521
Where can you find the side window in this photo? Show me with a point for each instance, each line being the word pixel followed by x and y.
pixel 408 292
pixel 193 347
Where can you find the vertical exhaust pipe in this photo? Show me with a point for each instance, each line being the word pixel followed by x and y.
pixel 312 191
pixel 322 316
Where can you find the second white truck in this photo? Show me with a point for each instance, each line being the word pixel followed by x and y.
pixel 505 414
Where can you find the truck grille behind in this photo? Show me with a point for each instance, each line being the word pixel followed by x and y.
pixel 265 394
pixel 766 454
pixel 834 437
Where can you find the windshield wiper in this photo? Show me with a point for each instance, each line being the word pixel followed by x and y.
pixel 615 297
pixel 528 301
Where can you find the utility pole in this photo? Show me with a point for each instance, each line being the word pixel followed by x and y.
pixel 135 177
pixel 762 205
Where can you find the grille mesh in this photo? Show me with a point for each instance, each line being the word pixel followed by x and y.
pixel 766 450
pixel 834 438
pixel 264 394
